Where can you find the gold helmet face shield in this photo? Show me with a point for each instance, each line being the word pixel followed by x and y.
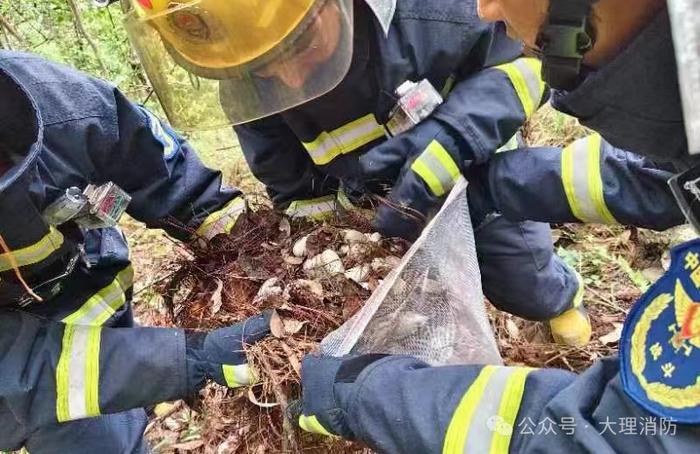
pixel 685 20
pixel 220 62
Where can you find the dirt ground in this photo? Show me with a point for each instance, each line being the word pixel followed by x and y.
pixel 616 263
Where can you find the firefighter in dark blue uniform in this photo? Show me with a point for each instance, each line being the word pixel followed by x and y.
pixel 322 79
pixel 74 154
pixel 620 77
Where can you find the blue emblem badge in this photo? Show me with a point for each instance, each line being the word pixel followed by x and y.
pixel 660 346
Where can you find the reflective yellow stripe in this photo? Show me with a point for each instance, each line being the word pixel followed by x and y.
pixel 595 179
pixel 437 168
pixel 346 139
pixel 316 209
pixel 344 201
pixel 524 74
pixel 35 253
pixel 567 179
pixel 508 410
pixel 511 145
pixel 237 376
pixel 485 417
pixel 456 436
pixel 63 376
pixel 78 373
pixel 102 305
pixel 311 424
pixel 222 221
pixel 582 180
pixel 427 175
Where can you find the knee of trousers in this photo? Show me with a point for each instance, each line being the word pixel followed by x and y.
pixel 539 296
pixel 521 274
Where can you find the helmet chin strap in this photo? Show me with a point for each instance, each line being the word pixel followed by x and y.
pixel 563 40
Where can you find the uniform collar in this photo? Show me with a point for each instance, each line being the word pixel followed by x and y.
pixel 643 62
pixel 634 101
pixel 384 11
pixel 19 113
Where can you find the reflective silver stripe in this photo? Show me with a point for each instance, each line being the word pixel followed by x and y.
pixel 511 145
pixel 582 181
pixel 317 209
pixel 345 139
pixel 485 416
pixel 102 305
pixel 524 74
pixel 532 80
pixel 77 373
pixel 437 169
pixel 239 375
pixel 480 434
pixel 446 180
pixel 76 389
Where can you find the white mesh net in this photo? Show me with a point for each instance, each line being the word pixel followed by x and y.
pixel 432 305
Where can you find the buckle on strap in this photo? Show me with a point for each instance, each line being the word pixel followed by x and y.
pixel 563 40
pixel 51 287
pixel 686 189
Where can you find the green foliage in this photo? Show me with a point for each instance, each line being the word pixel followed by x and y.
pixel 551 127
pixel 50 28
pixel 47 27
pixel 637 278
pixel 594 264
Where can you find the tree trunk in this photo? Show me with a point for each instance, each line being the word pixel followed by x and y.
pixel 80 29
pixel 7 29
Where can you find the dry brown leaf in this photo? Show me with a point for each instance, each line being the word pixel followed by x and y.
pixel 613 336
pixel 268 246
pixel 292 357
pixel 216 300
pixel 512 328
pixel 277 326
pixel 254 400
pixel 293 326
pixel 285 227
pixel 165 409
pixel 292 260
pixel 189 445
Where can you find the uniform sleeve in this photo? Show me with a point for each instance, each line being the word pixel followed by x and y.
pixel 481 115
pixel 486 109
pixel 402 405
pixel 169 185
pixel 277 158
pixel 55 372
pixel 589 181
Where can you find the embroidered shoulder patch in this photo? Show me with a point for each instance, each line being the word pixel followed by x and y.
pixel 660 345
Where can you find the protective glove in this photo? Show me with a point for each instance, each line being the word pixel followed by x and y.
pixel 223 221
pixel 328 385
pixel 219 355
pixel 425 163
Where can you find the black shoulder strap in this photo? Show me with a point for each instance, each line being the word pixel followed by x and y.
pixel 563 40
